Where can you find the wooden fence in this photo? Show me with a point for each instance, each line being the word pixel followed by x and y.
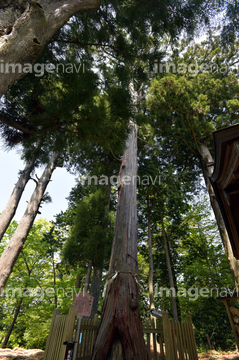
pixel 85 335
pixel 67 328
pixel 61 329
pixel 154 340
pixel 177 338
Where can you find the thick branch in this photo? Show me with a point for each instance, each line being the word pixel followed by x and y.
pixel 26 27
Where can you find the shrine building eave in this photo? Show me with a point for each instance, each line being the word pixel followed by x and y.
pixel 225 180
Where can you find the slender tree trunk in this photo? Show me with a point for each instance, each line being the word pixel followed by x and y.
pixel 16 313
pixel 10 209
pixel 207 172
pixel 170 273
pixel 151 285
pixel 97 274
pixel 78 281
pixel 151 282
pixel 54 279
pixel 15 245
pixel 120 334
pixel 95 290
pixel 87 278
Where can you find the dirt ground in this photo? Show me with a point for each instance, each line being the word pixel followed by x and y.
pixel 209 355
pixel 216 355
pixel 36 354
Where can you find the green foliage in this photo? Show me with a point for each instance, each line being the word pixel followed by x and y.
pixel 92 232
pixel 187 106
pixel 37 281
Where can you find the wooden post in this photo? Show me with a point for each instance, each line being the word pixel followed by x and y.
pixel 230 316
pixel 161 338
pixel 68 329
pixel 227 302
pixel 77 335
pixel 192 337
pixel 167 336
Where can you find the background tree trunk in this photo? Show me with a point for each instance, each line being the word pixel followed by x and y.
pixel 78 281
pixel 10 209
pixel 15 245
pixel 87 277
pixel 120 334
pixel 151 280
pixel 207 172
pixel 95 290
pixel 151 285
pixel 26 27
pixel 170 273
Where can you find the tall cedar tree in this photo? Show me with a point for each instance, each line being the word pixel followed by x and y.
pixel 187 106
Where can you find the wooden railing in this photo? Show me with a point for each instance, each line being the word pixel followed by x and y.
pixel 233 314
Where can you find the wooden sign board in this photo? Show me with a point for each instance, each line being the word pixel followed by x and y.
pixel 83 302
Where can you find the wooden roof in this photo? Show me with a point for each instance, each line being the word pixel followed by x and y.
pixel 225 180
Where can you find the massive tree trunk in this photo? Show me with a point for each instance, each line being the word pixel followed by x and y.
pixel 170 273
pixel 26 27
pixel 15 245
pixel 120 334
pixel 207 172
pixel 95 290
pixel 10 209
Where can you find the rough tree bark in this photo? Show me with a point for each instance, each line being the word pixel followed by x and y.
pixel 95 290
pixel 15 245
pixel 27 26
pixel 170 273
pixel 207 172
pixel 120 334
pixel 10 209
